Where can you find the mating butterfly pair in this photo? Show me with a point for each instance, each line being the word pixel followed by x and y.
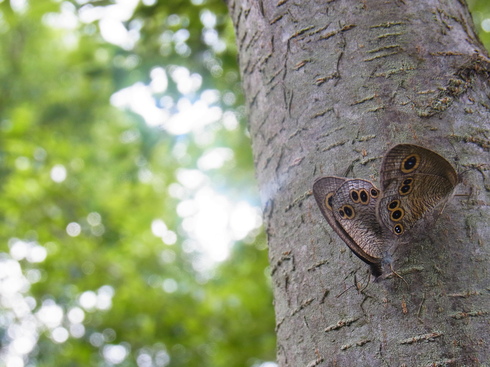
pixel 414 182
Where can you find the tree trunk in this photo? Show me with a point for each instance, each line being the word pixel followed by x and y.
pixel 330 86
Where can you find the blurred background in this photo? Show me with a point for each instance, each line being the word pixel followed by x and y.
pixel 130 225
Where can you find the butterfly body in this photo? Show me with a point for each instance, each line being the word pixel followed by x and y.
pixel 415 181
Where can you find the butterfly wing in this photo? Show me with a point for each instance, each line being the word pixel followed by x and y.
pixel 349 206
pixel 414 181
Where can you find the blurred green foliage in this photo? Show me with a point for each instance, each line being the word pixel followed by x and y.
pixel 86 181
pixel 480 10
pixel 84 279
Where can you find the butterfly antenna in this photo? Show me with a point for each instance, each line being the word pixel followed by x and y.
pixel 367 283
pixel 398 275
pixel 356 285
pixel 345 290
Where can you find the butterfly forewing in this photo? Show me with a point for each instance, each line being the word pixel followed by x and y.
pixel 414 182
pixel 404 160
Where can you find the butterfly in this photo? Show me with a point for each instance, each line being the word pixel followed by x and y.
pixel 415 181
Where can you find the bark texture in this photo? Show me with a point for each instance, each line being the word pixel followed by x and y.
pixel 330 86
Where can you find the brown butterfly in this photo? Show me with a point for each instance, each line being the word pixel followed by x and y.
pixel 414 182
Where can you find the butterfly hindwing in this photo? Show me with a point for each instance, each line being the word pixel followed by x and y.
pixel 349 206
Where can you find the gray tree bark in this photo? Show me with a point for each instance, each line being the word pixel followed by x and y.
pixel 330 86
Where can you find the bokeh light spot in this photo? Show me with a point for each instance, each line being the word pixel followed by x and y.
pixel 73 229
pixel 58 173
